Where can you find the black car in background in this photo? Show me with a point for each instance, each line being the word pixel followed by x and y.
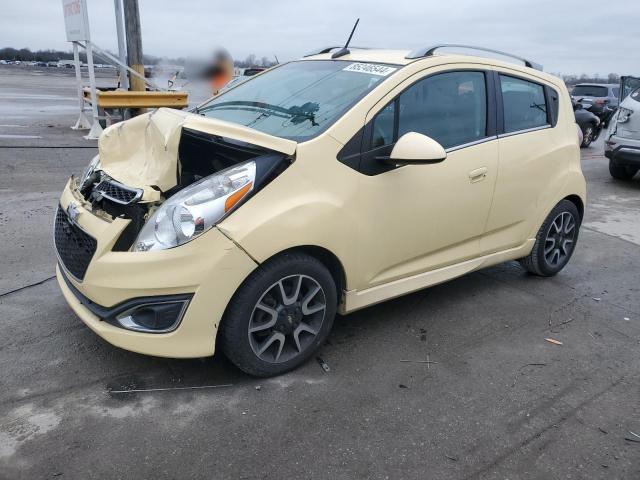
pixel 589 123
pixel 601 99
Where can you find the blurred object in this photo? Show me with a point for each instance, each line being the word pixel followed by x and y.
pixel 220 71
pixel 215 71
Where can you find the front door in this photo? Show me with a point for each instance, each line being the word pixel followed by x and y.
pixel 418 218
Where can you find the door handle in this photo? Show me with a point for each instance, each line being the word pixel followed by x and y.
pixel 478 174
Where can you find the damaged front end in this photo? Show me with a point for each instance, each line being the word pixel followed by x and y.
pixel 174 175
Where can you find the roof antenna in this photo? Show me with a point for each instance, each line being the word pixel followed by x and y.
pixel 345 50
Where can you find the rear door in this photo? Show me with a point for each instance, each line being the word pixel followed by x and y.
pixel 532 158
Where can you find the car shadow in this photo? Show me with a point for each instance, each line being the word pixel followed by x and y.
pixel 383 320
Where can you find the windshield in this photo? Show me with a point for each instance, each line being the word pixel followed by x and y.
pixel 589 91
pixel 297 100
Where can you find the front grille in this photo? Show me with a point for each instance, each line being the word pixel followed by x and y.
pixel 117 192
pixel 75 247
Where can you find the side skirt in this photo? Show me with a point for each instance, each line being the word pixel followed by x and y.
pixel 357 299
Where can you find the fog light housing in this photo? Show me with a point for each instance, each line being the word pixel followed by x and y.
pixel 160 317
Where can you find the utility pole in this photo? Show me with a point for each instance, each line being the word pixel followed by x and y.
pixel 134 43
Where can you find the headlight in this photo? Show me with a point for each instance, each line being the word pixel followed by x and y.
pixel 88 172
pixel 624 114
pixel 196 208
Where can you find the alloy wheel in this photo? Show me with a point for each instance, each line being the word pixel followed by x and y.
pixel 287 319
pixel 560 239
pixel 588 136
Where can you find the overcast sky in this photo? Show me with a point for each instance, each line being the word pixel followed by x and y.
pixel 566 36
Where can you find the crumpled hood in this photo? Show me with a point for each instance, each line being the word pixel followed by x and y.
pixel 143 152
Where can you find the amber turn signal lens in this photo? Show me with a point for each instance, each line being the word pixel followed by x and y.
pixel 236 196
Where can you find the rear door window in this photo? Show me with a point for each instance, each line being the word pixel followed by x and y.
pixel 524 104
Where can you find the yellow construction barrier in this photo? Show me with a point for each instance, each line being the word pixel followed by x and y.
pixel 112 99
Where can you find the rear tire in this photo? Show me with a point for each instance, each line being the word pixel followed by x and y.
pixel 621 172
pixel 279 316
pixel 587 135
pixel 555 242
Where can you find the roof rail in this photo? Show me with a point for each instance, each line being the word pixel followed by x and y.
pixel 328 49
pixel 429 51
pixel 320 50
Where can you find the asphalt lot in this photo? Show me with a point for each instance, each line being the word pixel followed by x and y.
pixel 501 402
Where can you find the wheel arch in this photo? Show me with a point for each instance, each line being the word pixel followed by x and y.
pixel 577 201
pixel 327 258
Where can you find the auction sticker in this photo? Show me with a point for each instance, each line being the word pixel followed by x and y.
pixel 371 68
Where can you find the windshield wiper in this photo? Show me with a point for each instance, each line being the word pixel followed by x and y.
pixel 539 106
pixel 296 113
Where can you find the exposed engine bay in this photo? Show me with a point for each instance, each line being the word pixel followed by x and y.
pixel 195 157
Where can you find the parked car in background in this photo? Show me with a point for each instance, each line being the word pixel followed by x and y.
pixel 589 123
pixel 250 72
pixel 622 145
pixel 603 97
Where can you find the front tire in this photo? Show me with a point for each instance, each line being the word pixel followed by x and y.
pixel 555 241
pixel 621 172
pixel 279 316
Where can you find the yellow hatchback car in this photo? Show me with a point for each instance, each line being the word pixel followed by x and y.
pixel 322 185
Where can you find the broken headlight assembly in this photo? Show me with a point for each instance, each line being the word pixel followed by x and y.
pixel 87 175
pixel 196 208
pixel 624 114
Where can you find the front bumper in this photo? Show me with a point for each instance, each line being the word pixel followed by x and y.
pixel 209 269
pixel 623 151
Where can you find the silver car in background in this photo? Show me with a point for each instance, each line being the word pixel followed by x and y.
pixel 622 142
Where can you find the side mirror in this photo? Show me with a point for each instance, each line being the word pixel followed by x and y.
pixel 415 148
pixel 577 106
